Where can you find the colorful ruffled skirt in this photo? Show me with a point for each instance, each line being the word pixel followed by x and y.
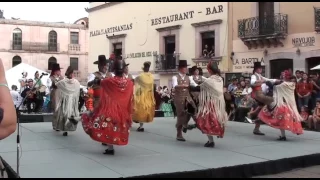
pixel 281 118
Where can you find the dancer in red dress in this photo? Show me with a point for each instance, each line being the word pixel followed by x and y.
pixel 212 117
pixel 285 115
pixel 111 121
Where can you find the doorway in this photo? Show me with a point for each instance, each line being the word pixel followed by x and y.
pixel 279 65
pixel 117 49
pixel 169 48
pixel 312 62
pixel 266 18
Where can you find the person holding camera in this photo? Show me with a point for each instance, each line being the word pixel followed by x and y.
pixel 8 117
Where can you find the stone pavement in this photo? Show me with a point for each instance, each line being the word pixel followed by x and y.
pixel 310 172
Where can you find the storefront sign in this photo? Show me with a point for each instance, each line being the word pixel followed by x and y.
pixel 204 64
pixel 245 64
pixel 185 15
pixel 111 30
pixel 303 41
pixel 142 54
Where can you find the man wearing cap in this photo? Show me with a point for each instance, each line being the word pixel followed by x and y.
pixel 144 101
pixel 95 78
pixel 257 81
pixel 181 83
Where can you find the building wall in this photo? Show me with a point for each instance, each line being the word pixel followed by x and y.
pixel 301 24
pixel 144 37
pixel 37 32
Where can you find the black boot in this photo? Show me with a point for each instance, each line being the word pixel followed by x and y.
pixel 282 138
pixel 65 134
pixel 140 129
pixel 209 144
pixel 109 152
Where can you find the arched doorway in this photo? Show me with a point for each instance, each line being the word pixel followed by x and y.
pixel 279 65
pixel 312 62
pixel 52 60
pixel 16 60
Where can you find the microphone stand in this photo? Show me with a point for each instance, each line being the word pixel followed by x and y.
pixel 18 121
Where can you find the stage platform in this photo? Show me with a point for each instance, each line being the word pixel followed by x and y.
pixel 156 153
pixel 48 117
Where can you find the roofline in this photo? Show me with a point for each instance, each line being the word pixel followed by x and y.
pixel 102 6
pixel 42 24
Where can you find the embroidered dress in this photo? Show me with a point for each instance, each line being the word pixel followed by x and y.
pixel 285 115
pixel 144 101
pixel 111 121
pixel 212 117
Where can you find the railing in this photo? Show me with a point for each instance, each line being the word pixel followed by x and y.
pixel 263 26
pixel 34 46
pixel 317 19
pixel 74 47
pixel 166 62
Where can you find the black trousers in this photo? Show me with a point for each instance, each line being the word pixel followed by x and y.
pixel 241 113
pixel 37 105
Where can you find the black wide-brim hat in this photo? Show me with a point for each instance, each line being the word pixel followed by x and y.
pixel 119 65
pixel 56 67
pixel 102 60
pixel 257 65
pixel 183 63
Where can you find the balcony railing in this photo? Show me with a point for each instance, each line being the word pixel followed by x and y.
pixel 317 19
pixel 34 46
pixel 74 47
pixel 164 62
pixel 273 25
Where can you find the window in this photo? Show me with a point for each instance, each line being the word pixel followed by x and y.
pixel 74 38
pixel 52 41
pixel 16 60
pixel 51 61
pixel 74 63
pixel 17 39
pixel 208 44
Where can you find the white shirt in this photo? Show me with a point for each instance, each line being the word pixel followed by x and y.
pixel 198 77
pixel 15 97
pixel 127 75
pixel 247 90
pixel 254 79
pixel 92 76
pixel 265 88
pixel 175 80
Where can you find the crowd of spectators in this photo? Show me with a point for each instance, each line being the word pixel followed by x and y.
pixel 240 105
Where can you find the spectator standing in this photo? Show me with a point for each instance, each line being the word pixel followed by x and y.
pixel 304 89
pixel 233 85
pixel 15 95
pixel 298 75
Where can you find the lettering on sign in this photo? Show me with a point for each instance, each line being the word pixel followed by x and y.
pixel 142 54
pixel 247 61
pixel 204 64
pixel 304 41
pixel 111 30
pixel 184 15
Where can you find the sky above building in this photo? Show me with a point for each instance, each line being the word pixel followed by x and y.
pixel 67 12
